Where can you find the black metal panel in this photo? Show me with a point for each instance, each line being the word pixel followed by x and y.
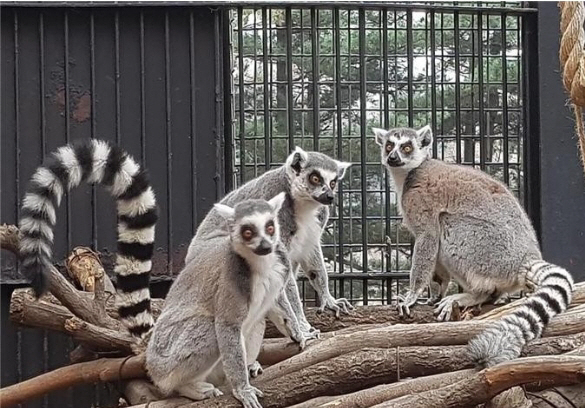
pixel 562 185
pixel 146 78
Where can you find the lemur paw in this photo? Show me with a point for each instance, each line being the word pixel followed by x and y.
pixel 444 309
pixel 248 396
pixel 213 393
pixel 337 305
pixel 405 303
pixel 255 369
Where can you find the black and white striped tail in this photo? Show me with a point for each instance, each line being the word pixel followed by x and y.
pixel 95 162
pixel 505 339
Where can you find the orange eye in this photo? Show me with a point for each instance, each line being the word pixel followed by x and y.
pixel 270 230
pixel 389 147
pixel 315 179
pixel 333 184
pixel 247 234
pixel 407 148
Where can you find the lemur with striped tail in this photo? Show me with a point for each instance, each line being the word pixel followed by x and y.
pixel 95 162
pixel 470 227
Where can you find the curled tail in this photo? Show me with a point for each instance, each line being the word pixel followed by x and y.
pixel 505 339
pixel 95 162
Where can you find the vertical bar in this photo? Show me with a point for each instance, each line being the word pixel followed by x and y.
pixel 168 142
pixel 289 80
pixel 433 83
pixel 219 185
pixel 482 139
pixel 410 57
pixel 241 104
pixel 67 113
pixel 117 73
pixel 266 95
pixel 227 113
pixel 387 259
pixel 194 121
pixel 315 68
pixel 142 93
pixel 93 123
pixel 339 126
pixel 457 89
pixel 505 129
pixel 362 57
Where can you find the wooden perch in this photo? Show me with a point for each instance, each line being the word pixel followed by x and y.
pixel 482 386
pixel 103 370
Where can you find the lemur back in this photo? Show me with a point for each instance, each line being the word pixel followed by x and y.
pixel 471 226
pixel 95 162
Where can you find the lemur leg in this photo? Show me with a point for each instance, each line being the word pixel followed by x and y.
pixel 253 344
pixel 198 390
pixel 294 298
pixel 445 306
pixel 439 284
pixel 424 261
pixel 314 268
pixel 233 355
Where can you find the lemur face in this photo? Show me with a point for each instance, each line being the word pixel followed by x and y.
pixel 314 176
pixel 404 147
pixel 253 224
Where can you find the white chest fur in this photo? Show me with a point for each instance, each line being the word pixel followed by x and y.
pixel 308 232
pixel 268 277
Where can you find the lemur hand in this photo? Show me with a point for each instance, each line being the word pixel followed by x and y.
pixel 405 302
pixel 337 305
pixel 248 396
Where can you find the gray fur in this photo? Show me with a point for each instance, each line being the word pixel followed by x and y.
pixel 220 298
pixel 302 219
pixel 471 226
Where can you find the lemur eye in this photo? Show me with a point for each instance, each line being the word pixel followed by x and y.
pixel 270 229
pixel 389 147
pixel 315 179
pixel 247 234
pixel 333 184
pixel 407 148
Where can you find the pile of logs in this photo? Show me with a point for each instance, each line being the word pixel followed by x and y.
pixel 370 358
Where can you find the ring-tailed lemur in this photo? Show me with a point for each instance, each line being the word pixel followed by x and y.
pixel 471 226
pixel 95 162
pixel 309 180
pixel 213 318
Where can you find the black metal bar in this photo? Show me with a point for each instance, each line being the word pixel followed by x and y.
pixel 241 111
pixel 67 114
pixel 168 131
pixel 433 83
pixel 228 118
pixel 366 5
pixel 117 75
pixel 456 36
pixel 266 94
pixel 363 84
pixel 94 222
pixel 42 84
pixel 410 58
pixel 219 186
pixel 315 68
pixel 289 79
pixel 482 128
pixel 193 118
pixel 505 132
pixel 339 129
pixel 142 93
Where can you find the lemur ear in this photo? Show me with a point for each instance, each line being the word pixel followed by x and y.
pixel 277 201
pixel 297 160
pixel 341 168
pixel 379 135
pixel 225 211
pixel 425 136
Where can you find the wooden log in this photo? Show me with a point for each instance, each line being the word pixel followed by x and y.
pixel 102 370
pixel 369 367
pixel 484 385
pixel 401 335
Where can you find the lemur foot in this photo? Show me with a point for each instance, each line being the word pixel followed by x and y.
pixel 444 310
pixel 405 303
pixel 255 369
pixel 199 391
pixel 337 305
pixel 248 396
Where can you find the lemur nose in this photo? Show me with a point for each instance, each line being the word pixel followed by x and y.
pixel 393 157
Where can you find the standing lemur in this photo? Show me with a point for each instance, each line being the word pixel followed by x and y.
pixel 95 162
pixel 212 324
pixel 309 180
pixel 470 227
